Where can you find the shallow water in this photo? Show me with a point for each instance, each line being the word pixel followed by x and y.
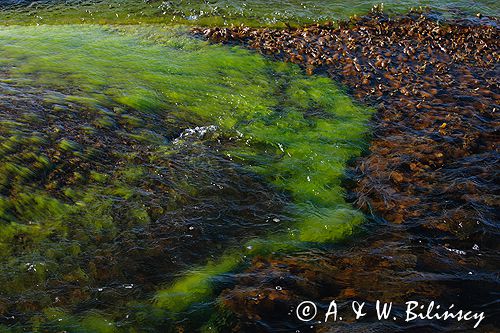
pixel 132 155
pixel 429 174
pixel 221 12
pixel 142 168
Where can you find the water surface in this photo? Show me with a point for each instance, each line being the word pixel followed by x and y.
pixel 221 12
pixel 132 156
pixel 141 168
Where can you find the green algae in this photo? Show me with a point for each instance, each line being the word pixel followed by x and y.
pixel 197 284
pixel 143 86
pixel 304 157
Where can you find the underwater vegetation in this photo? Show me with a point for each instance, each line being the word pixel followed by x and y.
pixel 430 171
pixel 151 181
pixel 257 13
pixel 138 164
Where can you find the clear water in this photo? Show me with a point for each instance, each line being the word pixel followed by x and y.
pixel 222 12
pixel 132 155
pixel 141 166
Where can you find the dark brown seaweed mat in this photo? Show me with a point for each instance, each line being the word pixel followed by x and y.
pixel 431 173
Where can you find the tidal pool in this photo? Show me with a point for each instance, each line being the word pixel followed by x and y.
pixel 140 166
